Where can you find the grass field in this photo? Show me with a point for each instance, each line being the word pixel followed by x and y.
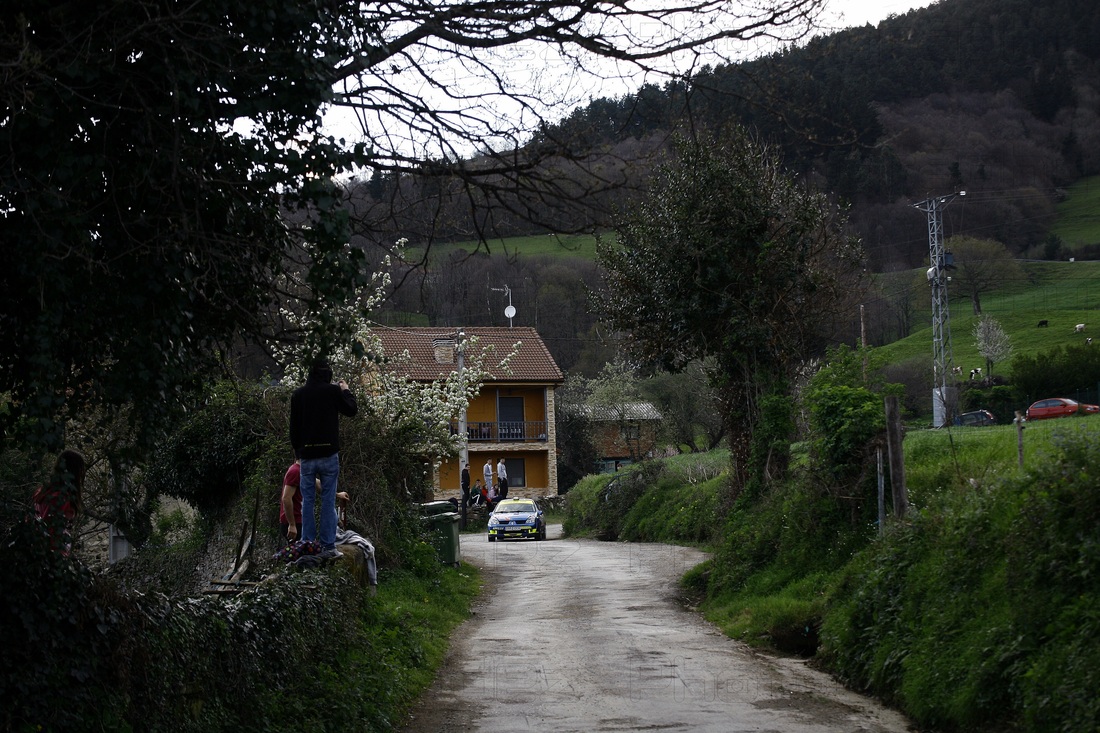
pixel 1062 293
pixel 936 460
pixel 1078 224
pixel 535 245
pixel 1079 215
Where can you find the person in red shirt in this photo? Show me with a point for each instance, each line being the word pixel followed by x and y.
pixel 290 506
pixel 58 503
pixel 290 503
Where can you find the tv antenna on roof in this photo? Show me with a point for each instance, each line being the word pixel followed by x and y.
pixel 509 311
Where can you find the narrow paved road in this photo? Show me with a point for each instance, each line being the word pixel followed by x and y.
pixel 589 636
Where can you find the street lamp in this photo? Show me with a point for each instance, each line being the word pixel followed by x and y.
pixel 463 436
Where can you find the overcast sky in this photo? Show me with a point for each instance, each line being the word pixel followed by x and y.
pixel 859 12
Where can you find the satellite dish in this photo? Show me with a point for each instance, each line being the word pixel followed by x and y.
pixel 510 311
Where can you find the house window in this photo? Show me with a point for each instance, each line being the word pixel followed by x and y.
pixel 516 473
pixel 631 432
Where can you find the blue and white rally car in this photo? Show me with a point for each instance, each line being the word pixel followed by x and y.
pixel 519 518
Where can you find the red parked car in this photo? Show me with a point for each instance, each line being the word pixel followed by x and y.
pixel 1059 407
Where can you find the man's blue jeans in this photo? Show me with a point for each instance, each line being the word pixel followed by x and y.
pixel 327 469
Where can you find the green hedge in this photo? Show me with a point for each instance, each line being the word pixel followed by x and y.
pixel 670 500
pixel 985 608
pixel 140 648
pixel 306 650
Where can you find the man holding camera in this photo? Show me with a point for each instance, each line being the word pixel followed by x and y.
pixel 315 409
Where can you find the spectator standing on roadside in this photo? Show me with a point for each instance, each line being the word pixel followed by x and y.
pixel 502 480
pixel 58 503
pixel 487 472
pixel 464 483
pixel 315 409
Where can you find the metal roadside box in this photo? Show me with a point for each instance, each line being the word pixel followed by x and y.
pixel 445 536
pixel 436 507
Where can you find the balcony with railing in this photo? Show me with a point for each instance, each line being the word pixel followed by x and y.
pixel 521 431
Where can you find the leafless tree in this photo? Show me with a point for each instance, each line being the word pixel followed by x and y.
pixel 982 265
pixel 464 92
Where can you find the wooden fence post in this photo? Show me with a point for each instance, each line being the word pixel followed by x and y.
pixel 1019 438
pixel 881 491
pixel 895 457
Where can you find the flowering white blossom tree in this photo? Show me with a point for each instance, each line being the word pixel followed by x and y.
pixel 386 395
pixel 992 342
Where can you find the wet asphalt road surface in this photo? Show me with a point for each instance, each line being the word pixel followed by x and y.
pixel 580 635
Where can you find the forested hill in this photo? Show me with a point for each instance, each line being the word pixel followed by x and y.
pixel 1001 97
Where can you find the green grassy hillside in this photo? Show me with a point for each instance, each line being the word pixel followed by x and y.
pixel 1079 214
pixel 1062 293
pixel 550 245
pixel 1078 224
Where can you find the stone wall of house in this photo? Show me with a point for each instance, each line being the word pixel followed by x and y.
pixel 610 442
pixel 552 440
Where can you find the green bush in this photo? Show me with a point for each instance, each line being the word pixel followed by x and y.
pixel 598 505
pixel 672 512
pixel 982 609
pixel 61 642
pixel 844 423
pixel 769 579
pixel 1053 373
pixel 311 647
pixel 653 501
pixel 206 458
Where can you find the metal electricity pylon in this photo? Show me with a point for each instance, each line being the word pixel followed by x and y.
pixel 940 261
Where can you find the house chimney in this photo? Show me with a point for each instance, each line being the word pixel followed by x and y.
pixel 444 350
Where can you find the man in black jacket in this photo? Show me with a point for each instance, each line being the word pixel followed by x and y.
pixel 464 484
pixel 315 409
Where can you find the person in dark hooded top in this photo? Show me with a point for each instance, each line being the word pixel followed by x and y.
pixel 315 409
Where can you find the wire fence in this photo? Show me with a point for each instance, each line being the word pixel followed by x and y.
pixel 1005 409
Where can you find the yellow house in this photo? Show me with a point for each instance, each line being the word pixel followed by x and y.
pixel 512 416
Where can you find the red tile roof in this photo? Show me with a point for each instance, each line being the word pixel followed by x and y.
pixel 532 363
pixel 624 411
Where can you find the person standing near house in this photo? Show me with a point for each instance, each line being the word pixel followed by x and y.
pixel 487 473
pixel 315 409
pixel 464 484
pixel 502 480
pixel 58 503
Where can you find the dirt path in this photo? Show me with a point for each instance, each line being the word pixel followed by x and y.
pixel 589 636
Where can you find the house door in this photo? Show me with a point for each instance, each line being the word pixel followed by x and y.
pixel 510 416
